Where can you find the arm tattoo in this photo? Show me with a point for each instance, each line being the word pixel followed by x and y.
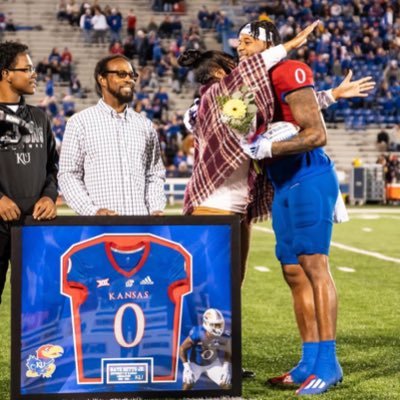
pixel 306 112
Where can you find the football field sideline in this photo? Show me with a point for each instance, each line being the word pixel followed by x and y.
pixel 345 247
pixel 363 213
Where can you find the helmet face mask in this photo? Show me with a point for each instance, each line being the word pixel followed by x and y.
pixel 213 322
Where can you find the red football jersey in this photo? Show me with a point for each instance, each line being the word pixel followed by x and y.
pixel 286 77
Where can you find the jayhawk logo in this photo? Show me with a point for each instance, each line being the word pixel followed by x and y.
pixel 43 364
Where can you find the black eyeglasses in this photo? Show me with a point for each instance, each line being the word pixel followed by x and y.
pixel 27 70
pixel 123 74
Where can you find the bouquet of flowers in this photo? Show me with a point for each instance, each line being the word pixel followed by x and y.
pixel 239 111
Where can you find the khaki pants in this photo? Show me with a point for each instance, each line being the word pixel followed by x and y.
pixel 245 229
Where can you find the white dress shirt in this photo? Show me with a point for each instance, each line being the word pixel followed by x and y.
pixel 110 160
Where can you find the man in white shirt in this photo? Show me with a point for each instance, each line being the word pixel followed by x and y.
pixel 110 161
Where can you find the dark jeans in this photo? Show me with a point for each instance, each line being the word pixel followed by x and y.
pixel 5 254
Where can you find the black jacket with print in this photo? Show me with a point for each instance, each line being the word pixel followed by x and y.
pixel 28 158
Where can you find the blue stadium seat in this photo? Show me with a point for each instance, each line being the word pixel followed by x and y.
pixel 390 120
pixel 369 116
pixel 349 121
pixel 347 112
pixel 359 122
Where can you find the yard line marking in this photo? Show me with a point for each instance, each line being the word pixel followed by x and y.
pixel 365 252
pixel 347 248
pixel 261 268
pixel 373 211
pixel 346 269
pixel 366 229
pixel 266 230
pixel 367 216
pixel 373 216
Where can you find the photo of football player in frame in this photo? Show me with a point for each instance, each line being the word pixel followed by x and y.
pixel 102 306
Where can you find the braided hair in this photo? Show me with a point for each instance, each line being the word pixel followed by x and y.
pixel 206 64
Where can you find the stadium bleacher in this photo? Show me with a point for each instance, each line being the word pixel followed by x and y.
pixel 361 36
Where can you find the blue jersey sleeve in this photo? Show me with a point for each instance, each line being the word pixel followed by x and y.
pixel 194 334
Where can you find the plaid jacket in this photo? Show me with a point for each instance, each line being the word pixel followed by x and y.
pixel 217 151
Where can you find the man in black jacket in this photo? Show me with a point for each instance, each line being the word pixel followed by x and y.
pixel 28 157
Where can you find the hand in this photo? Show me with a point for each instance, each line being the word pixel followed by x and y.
pixel 9 211
pixel 300 38
pixel 359 88
pixel 157 213
pixel 259 149
pixel 188 374
pixel 105 211
pixel 226 374
pixel 45 208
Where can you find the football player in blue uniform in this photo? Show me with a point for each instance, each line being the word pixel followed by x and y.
pixel 207 344
pixel 306 189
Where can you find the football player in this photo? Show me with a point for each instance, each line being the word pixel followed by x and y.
pixel 219 155
pixel 306 189
pixel 204 344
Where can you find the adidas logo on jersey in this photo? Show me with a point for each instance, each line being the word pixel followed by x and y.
pixel 147 281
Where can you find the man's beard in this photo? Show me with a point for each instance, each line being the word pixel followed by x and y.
pixel 122 98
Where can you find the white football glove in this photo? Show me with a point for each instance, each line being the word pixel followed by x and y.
pixel 262 146
pixel 188 374
pixel 226 374
pixel 259 149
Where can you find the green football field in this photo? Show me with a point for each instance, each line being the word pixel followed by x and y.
pixel 365 263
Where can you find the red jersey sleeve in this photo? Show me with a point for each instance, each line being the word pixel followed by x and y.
pixel 289 76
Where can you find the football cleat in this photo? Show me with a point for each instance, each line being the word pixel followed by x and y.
pixel 315 385
pixel 282 380
pixel 246 373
